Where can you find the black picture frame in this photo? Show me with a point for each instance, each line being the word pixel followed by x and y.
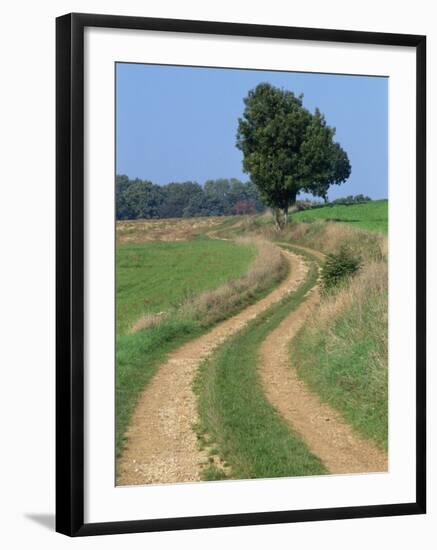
pixel 70 273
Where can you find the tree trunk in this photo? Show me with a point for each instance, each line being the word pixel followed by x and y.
pixel 281 218
pixel 285 212
pixel 277 218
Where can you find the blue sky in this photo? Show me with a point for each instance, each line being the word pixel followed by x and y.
pixel 179 123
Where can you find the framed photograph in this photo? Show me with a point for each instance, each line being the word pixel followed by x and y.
pixel 240 274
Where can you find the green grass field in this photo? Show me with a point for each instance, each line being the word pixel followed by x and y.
pixel 371 215
pixel 158 276
pixel 242 427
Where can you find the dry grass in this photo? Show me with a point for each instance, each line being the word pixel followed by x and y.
pixel 179 229
pixel 147 321
pixel 331 236
pixel 369 284
pixel 326 236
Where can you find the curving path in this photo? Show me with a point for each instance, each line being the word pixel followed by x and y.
pixel 161 445
pixel 322 428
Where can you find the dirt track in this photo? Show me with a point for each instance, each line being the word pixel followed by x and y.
pixel 161 445
pixel 322 428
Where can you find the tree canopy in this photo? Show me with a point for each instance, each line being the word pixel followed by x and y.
pixel 287 149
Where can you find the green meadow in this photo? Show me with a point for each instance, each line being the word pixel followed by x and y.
pixel 370 215
pixel 158 276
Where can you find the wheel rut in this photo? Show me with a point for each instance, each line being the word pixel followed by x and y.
pixel 321 427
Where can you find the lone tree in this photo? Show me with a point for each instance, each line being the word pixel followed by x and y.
pixel 286 149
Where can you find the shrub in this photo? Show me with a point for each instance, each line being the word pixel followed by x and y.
pixel 357 199
pixel 339 267
pixel 308 205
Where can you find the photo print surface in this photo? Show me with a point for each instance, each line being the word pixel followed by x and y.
pixel 251 274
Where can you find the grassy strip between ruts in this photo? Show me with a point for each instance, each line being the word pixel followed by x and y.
pixel 236 422
pixel 140 353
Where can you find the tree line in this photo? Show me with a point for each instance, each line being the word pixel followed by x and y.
pixel 138 198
